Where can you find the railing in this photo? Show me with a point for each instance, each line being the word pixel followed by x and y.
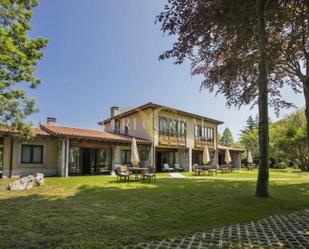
pixel 172 141
pixel 200 144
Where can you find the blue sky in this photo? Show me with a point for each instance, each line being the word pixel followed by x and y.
pixel 105 52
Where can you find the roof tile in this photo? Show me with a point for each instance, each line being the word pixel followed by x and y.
pixel 64 131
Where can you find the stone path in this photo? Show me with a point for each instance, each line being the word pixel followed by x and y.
pixel 277 231
pixel 176 175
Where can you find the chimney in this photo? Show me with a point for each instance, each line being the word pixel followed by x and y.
pixel 51 120
pixel 114 111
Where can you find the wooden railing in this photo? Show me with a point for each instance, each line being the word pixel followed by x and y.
pixel 172 141
pixel 202 144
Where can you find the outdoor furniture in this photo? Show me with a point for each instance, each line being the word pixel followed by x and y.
pixel 149 174
pixel 234 168
pixel 178 167
pixel 167 168
pixel 224 168
pixel 137 171
pixel 251 166
pixel 197 169
pixel 122 172
pixel 212 170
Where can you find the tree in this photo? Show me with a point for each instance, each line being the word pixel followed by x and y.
pixel 288 140
pixel 291 40
pixel 227 137
pixel 228 43
pixel 19 56
pixel 251 124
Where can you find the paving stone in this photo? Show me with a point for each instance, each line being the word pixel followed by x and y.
pixel 277 231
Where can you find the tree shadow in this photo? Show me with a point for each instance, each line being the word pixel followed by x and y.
pixel 127 213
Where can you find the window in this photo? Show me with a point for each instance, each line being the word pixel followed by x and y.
pixel 163 126
pixel 31 154
pixel 144 155
pixel 125 156
pixel 116 126
pixel 126 130
pixel 182 129
pixel 204 133
pixel 172 127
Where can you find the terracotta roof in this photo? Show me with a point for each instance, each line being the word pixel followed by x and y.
pixel 153 105
pixel 64 131
pixel 37 130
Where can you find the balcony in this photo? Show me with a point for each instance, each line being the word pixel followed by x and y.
pixel 172 141
pixel 200 144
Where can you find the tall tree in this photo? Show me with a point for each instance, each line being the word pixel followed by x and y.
pixel 19 55
pixel 262 188
pixel 227 137
pixel 291 39
pixel 251 124
pixel 227 42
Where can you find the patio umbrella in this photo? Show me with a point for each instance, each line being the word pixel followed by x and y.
pixel 249 158
pixel 206 157
pixel 134 153
pixel 227 157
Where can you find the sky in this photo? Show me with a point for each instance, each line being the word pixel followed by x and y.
pixel 103 53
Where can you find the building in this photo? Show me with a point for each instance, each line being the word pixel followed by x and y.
pixel 163 135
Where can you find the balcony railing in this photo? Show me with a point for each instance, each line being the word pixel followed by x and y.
pixel 200 144
pixel 172 141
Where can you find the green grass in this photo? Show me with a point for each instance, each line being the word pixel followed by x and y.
pixel 98 212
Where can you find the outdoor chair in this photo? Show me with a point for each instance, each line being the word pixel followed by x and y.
pixel 167 168
pixel 224 168
pixel 149 174
pixel 122 172
pixel 197 170
pixel 212 170
pixel 178 167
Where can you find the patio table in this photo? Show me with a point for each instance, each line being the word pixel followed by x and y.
pixel 250 166
pixel 137 171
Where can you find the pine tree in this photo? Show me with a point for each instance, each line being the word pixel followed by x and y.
pixel 227 138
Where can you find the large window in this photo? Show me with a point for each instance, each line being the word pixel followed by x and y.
pixel 172 127
pixel 204 133
pixel 125 156
pixel 31 154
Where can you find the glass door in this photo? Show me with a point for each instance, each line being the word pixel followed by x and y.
pixel 74 161
pixel 104 161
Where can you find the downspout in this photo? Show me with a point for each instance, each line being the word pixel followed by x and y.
pixel 11 157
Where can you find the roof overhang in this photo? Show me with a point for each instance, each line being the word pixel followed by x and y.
pixel 162 107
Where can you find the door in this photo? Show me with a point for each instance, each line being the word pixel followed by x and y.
pixel 86 161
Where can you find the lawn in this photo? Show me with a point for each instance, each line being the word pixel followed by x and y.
pixel 98 212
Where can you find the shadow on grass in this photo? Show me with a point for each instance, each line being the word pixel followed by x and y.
pixel 111 217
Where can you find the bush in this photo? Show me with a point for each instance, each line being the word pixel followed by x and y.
pixel 280 165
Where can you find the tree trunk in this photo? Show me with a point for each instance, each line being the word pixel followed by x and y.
pixel 306 94
pixel 262 187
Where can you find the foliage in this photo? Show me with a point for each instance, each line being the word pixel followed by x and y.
pixel 251 124
pixel 292 39
pixel 19 56
pixel 227 137
pixel 250 140
pixel 98 212
pixel 287 141
pixel 221 39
